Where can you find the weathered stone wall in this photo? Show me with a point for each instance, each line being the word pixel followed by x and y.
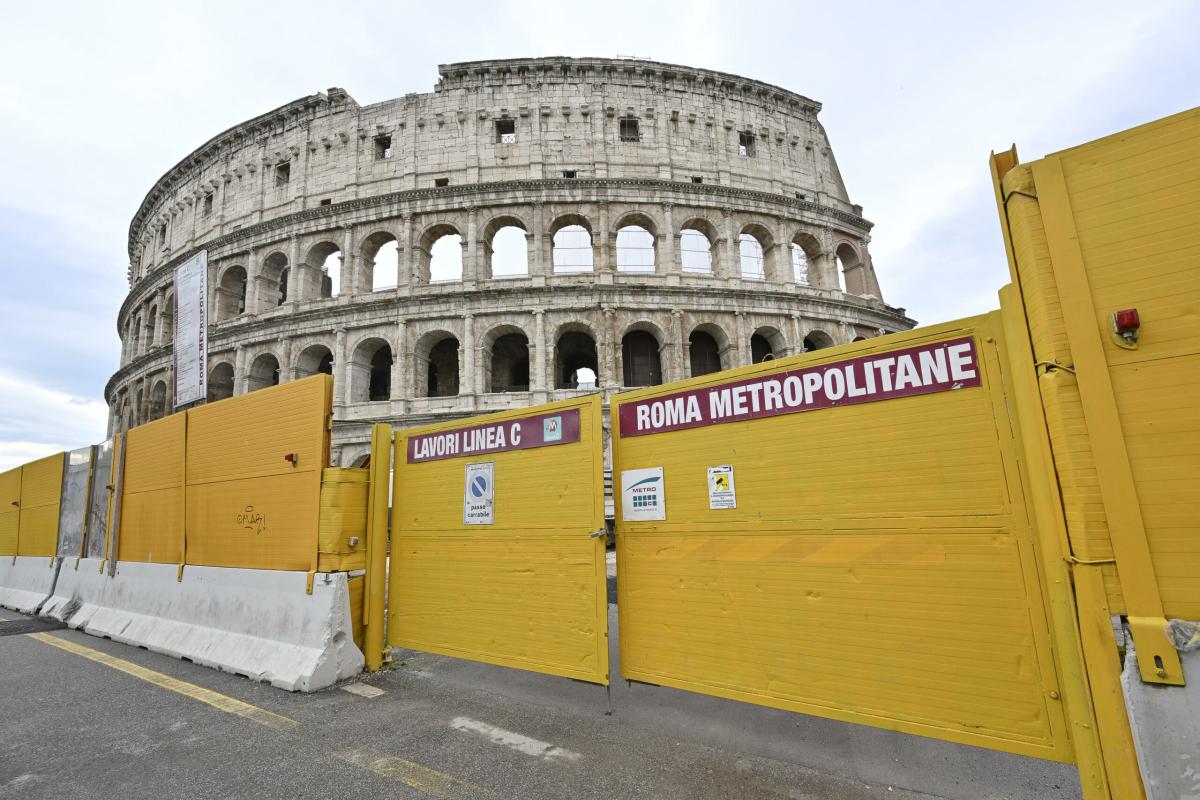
pixel 275 196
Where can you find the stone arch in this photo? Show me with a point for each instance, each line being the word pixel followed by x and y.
pixel 506 247
pixel 231 293
pixel 806 259
pixel 817 339
pixel 168 318
pixel 767 343
pixel 636 243
pixel 151 325
pixel 277 274
pixel 756 252
pixel 709 349
pixel 158 400
pixel 447 261
pixel 572 244
pixel 507 363
pixel 313 360
pixel 263 372
pixel 325 257
pixel 135 348
pixel 380 261
pixel 850 267
pixel 220 381
pixel 437 359
pixel 698 238
pixel 642 343
pixel 370 370
pixel 574 351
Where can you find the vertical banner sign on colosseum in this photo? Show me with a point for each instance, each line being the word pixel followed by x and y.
pixel 542 430
pixel 191 329
pixel 912 371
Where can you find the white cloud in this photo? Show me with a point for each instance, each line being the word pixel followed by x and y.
pixel 36 420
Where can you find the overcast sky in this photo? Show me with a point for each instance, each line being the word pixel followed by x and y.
pixel 97 100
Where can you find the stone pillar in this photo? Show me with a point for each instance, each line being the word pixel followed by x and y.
pixel 472 263
pixel 350 281
pixel 783 272
pixel 677 366
pixel 603 261
pixel 540 265
pixel 406 266
pixel 606 358
pixel 539 353
pixel 241 379
pixel 400 360
pixel 669 263
pixel 160 303
pixel 466 367
pixel 729 263
pixel 797 343
pixel 254 288
pixel 743 339
pixel 341 372
pixel 827 268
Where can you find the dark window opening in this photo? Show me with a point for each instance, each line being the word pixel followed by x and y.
pixel 703 353
pixel 575 351
pixel 817 340
pixel 506 131
pixel 380 386
pixel 383 147
pixel 639 352
pixel 510 363
pixel 568 173
pixel 162 236
pixel 746 144
pixel 326 202
pixel 439 182
pixel 283 286
pixel 760 349
pixel 283 174
pixel 630 132
pixel 208 204
pixel 697 179
pixel 442 377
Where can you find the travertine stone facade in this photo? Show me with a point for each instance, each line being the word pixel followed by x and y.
pixel 567 151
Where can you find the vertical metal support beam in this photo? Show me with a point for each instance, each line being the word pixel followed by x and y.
pixel 1158 660
pixel 377 543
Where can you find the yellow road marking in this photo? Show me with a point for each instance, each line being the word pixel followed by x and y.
pixel 419 777
pixel 215 699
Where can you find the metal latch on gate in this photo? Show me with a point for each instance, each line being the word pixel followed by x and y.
pixel 598 534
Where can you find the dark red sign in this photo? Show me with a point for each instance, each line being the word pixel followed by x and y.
pixel 929 368
pixel 542 430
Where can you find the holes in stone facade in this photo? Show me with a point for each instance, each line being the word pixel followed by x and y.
pixel 508 251
pixel 569 173
pixel 446 258
pixel 750 250
pixel 326 202
pixel 264 372
pixel 506 131
pixel 703 353
pixel 509 366
pixel 630 130
pixel 850 270
pixel 441 373
pixel 383 147
pixel 381 260
pixel 314 360
pixel 575 361
pixel 207 206
pixel 817 340
pixel 697 179
pixel 326 257
pixel 573 249
pixel 220 382
pixel 283 173
pixel 635 249
pixel 746 144
pixel 231 294
pixel 371 371
pixel 440 182
pixel 158 400
pixel 640 359
pixel 695 251
pixel 760 349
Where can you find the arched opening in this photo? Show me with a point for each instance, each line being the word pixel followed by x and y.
pixel 135 345
pixel 381 260
pixel 441 254
pixel 327 258
pixel 640 358
pixel 440 355
pixel 817 340
pixel 139 407
pixel 371 371
pixel 806 254
pixel 703 353
pixel 151 325
pixel 264 372
pixel 635 249
pixel 275 269
pixel 168 320
pixel 158 400
pixel 696 249
pixel 575 361
pixel 859 339
pixel 506 248
pixel 572 246
pixel 510 363
pixel 231 293
pixel 314 359
pixel 220 382
pixel 754 246
pixel 850 270
pixel 760 349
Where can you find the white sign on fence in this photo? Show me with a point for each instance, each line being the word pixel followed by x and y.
pixel 191 330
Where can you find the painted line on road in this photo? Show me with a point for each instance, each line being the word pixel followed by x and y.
pixel 207 696
pixel 417 776
pixel 516 741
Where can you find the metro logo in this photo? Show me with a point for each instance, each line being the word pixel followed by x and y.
pixel 913 371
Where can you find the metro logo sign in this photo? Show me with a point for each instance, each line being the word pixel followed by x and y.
pixel 920 370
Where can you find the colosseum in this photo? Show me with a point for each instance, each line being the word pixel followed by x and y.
pixel 531 229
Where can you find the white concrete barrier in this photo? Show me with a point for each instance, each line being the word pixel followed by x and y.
pixel 257 623
pixel 26 581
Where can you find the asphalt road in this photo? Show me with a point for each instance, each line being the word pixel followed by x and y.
pixel 82 717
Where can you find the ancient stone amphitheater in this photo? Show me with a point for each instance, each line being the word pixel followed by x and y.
pixel 531 229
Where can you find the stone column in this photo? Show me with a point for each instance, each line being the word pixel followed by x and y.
pixel 606 358
pixel 406 266
pixel 728 265
pixel 743 339
pixel 540 266
pixel 253 283
pixel 472 263
pixel 539 353
pixel 678 366
pixel 240 377
pixel 400 360
pixel 287 371
pixel 797 343
pixel 350 281
pixel 602 255
pixel 669 263
pixel 827 268
pixel 784 273
pixel 466 370
pixel 341 372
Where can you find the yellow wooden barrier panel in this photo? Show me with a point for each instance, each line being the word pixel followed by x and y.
pixel 870 558
pixel 254 467
pixel 152 495
pixel 10 510
pixel 526 589
pixel 41 493
pixel 343 519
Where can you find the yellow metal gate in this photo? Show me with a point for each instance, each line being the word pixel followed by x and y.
pixel 497 540
pixel 843 534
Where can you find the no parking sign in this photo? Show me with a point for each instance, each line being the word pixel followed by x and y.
pixel 479 494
